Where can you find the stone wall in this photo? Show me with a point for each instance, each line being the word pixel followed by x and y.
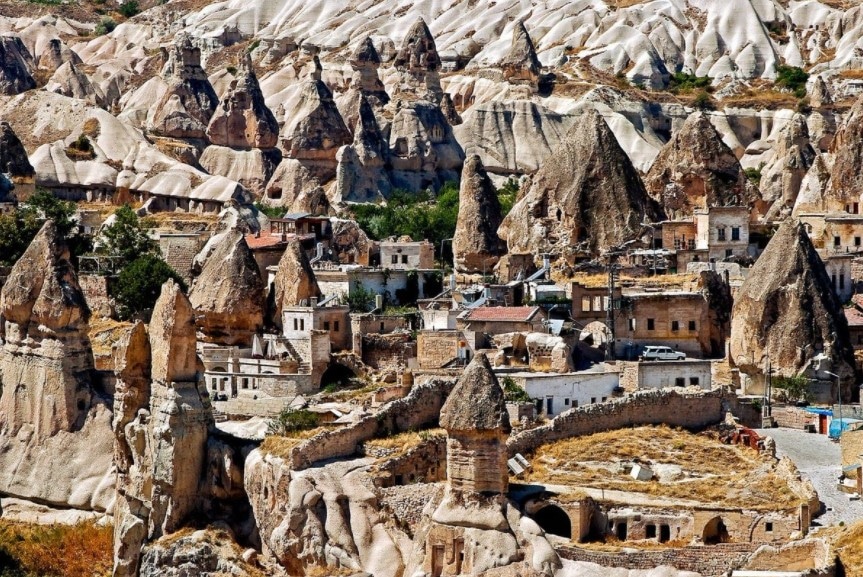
pixel 708 561
pixel 420 408
pixel 425 463
pixel 691 410
pixel 388 352
pixel 179 250
pixel 95 289
pixel 792 417
pixel 436 348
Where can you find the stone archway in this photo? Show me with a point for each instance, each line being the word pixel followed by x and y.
pixel 595 334
pixel 554 520
pixel 715 532
pixel 337 374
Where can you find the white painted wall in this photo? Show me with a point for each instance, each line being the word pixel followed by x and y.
pixel 662 374
pixel 566 390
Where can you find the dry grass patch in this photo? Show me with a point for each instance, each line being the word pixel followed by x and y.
pixel 281 445
pixel 761 98
pixel 405 441
pixel 712 472
pixel 82 550
pixel 665 281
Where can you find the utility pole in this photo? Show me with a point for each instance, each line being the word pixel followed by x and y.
pixel 609 312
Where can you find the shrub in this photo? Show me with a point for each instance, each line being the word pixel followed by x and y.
pixel 754 174
pixel 270 211
pixel 81 149
pixel 126 238
pixel 105 26
pixel 702 100
pixel 683 82
pixel 232 70
pixel 129 8
pixel 793 78
pixel 292 420
pixel 360 300
pixel 81 550
pixel 513 393
pixel 793 389
pixel 507 195
pixel 140 283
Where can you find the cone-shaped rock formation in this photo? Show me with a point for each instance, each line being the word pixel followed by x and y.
pixel 476 246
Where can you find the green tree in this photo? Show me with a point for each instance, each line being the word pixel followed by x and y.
pixel 507 195
pixel 139 284
pixel 129 8
pixel 793 78
pixel 513 393
pixel 18 228
pixel 126 238
pixel 793 389
pixel 292 420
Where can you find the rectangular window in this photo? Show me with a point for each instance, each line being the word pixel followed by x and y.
pixel 585 304
pixel 565 402
pixel 691 325
pixel 837 241
pixel 302 324
pixel 693 381
pixel 632 324
pixel 675 326
pixel 679 382
pixel 574 404
pixel 664 533
pixel 404 259
pixel 296 325
pixel 857 241
pixel 549 405
pixel 597 304
pixel 604 399
pixel 720 233
pixel 395 259
pixel 592 400
pixel 245 383
pixel 650 324
pixel 735 233
pixel 768 526
pixel 833 280
pixel 650 532
pixel 326 325
pixel 856 208
pixel 336 326
pixel 382 327
pixel 841 282
pixel 605 303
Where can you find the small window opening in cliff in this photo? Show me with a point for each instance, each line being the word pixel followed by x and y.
pixel 559 215
pixel 715 532
pixel 337 375
pixel 620 531
pixel 650 532
pixel 664 533
pixel 554 520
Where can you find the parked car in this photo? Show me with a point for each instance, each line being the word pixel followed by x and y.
pixel 661 354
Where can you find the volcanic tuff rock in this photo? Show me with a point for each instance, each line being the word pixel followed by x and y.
pixel 349 243
pixel 69 80
pixel 365 62
pixel 167 437
pixel 697 170
pixel 786 311
pixel 846 178
pixel 294 281
pixel 188 104
pixel 228 292
pixel 782 176
pixel 242 119
pixel 56 54
pixel 586 197
pixel 13 156
pixel 15 64
pixel 419 62
pixel 476 403
pixel 51 411
pixel 521 64
pixel 361 175
pixel 476 246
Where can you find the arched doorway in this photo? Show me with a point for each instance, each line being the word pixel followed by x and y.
pixel 337 375
pixel 715 532
pixel 554 520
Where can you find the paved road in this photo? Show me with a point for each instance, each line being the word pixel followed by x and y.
pixel 819 460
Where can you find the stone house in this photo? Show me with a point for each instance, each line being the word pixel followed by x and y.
pixel 661 374
pixel 590 304
pixel 268 246
pixel 723 231
pixel 401 286
pixel 179 249
pixel 555 393
pixel 843 233
pixel 437 349
pixel 407 255
pixel 332 318
pixel 839 269
pixel 498 320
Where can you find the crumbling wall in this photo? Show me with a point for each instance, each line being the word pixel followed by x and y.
pixel 711 560
pixel 436 348
pixel 420 408
pixel 690 410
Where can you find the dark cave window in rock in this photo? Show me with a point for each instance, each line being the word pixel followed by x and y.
pixel 554 520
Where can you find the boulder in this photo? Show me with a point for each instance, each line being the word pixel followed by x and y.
pixel 242 119
pixel 294 283
pixel 476 246
pixel 586 198
pixel 697 170
pixel 228 292
pixel 15 65
pixel 786 314
pixel 189 101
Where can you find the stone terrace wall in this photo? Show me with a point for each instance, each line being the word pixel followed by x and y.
pixel 708 560
pixel 691 410
pixel 420 408
pixel 792 417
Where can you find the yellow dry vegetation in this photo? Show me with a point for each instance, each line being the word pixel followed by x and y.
pixel 405 441
pixel 82 550
pixel 848 544
pixel 281 445
pixel 667 281
pixel 724 475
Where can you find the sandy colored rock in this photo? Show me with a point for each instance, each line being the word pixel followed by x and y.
pixel 782 177
pixel 228 292
pixel 242 119
pixel 365 62
pixel 16 61
pixel 350 244
pixel 786 311
pixel 521 65
pixel 69 80
pixel 361 175
pixel 697 170
pixel 476 246
pixel 13 156
pixel 419 62
pixel 188 104
pixel 172 337
pixel 846 178
pixel 56 54
pixel 294 282
pixel 586 197
pixel 476 403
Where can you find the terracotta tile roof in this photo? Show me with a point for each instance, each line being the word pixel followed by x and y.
pixel 267 240
pixel 854 316
pixel 501 314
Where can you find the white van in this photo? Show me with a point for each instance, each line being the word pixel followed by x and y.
pixel 652 353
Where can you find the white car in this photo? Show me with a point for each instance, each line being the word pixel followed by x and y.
pixel 662 354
